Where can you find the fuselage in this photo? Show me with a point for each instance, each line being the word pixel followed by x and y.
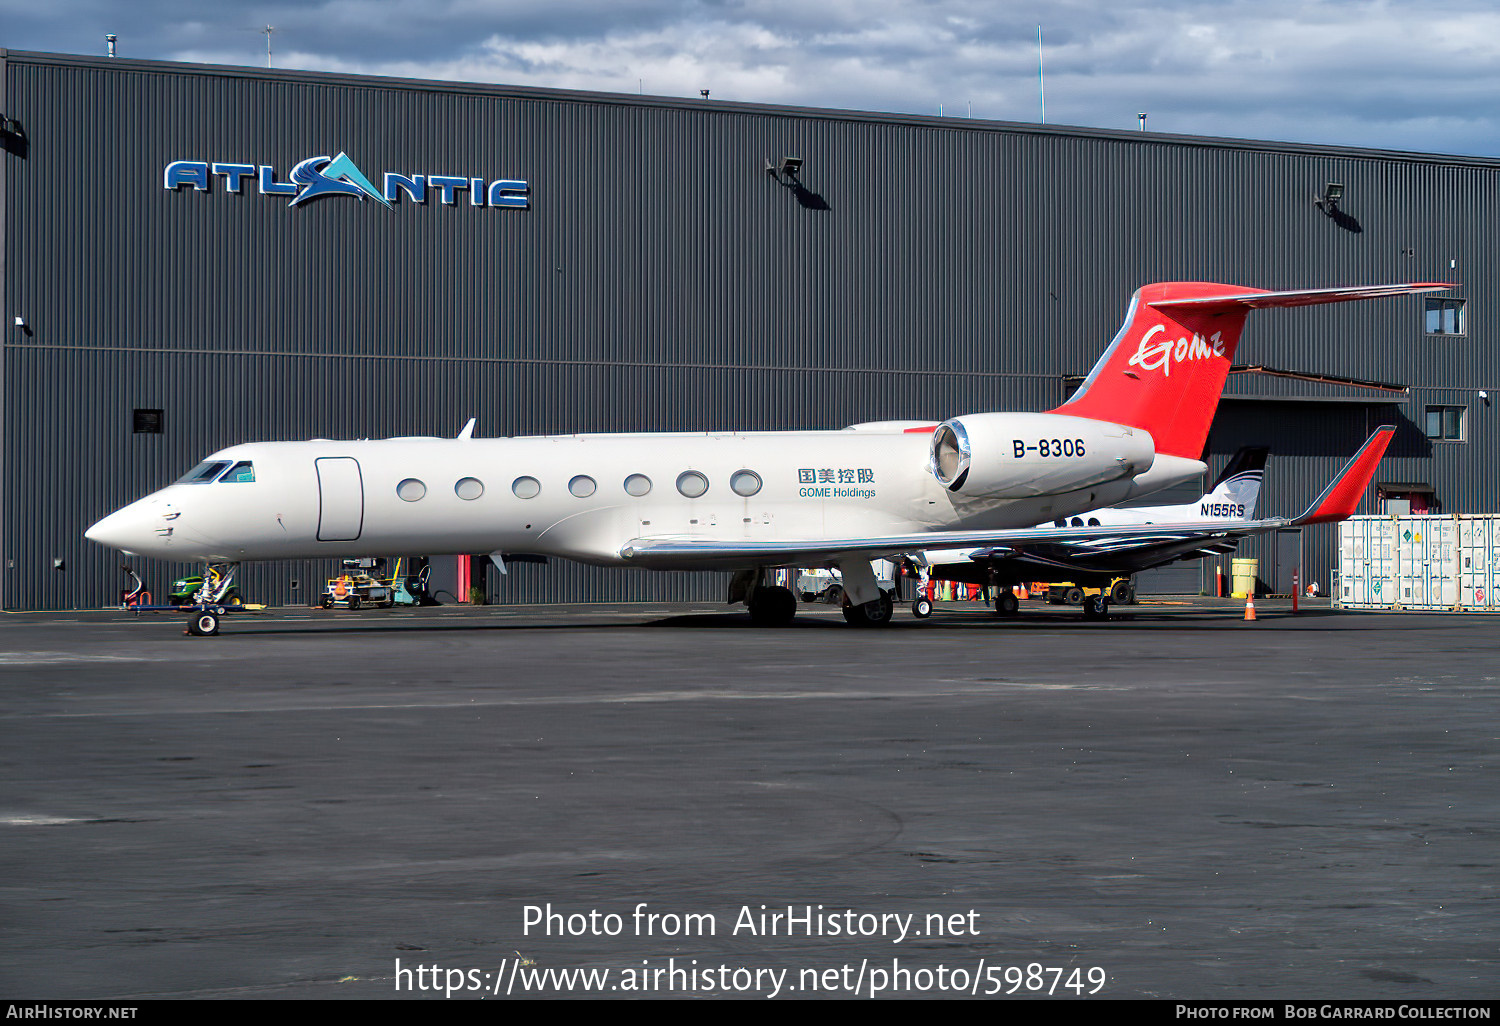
pixel 580 497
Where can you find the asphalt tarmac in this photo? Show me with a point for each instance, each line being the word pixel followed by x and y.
pixel 1171 804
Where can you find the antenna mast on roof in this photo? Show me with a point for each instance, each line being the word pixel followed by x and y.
pixel 267 33
pixel 1041 83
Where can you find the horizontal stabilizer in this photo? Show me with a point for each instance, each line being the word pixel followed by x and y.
pixel 1299 297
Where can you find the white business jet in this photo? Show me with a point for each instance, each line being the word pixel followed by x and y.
pixel 1098 562
pixel 1213 525
pixel 743 501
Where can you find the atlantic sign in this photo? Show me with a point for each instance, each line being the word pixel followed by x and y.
pixel 317 177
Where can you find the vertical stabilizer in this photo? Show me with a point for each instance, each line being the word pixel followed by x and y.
pixel 1165 370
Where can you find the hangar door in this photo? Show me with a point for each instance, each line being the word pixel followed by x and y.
pixel 341 498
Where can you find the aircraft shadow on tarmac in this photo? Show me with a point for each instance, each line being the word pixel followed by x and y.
pixel 981 620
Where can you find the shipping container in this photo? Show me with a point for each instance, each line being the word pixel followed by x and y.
pixel 1428 563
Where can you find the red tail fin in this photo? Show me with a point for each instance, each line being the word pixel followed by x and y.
pixel 1165 370
pixel 1341 498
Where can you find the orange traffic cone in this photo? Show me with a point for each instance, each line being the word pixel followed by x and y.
pixel 1250 606
pixel 1021 592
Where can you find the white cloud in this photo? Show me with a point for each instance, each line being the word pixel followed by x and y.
pixel 1384 73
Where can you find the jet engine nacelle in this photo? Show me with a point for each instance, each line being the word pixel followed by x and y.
pixel 1023 455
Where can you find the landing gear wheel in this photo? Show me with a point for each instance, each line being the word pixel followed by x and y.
pixel 1121 593
pixel 773 607
pixel 1096 607
pixel 871 614
pixel 921 608
pixel 1006 604
pixel 204 624
pixel 1073 597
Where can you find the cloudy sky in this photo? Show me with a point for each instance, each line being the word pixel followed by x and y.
pixel 1398 74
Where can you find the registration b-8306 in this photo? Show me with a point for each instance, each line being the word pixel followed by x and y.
pixel 1049 447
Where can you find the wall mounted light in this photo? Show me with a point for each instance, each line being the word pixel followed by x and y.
pixel 789 167
pixel 1328 202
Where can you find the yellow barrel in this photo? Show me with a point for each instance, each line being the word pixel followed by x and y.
pixel 1242 577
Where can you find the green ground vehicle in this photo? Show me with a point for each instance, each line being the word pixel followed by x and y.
pixel 184 588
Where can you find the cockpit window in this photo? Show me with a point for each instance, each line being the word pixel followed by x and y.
pixel 242 472
pixel 203 472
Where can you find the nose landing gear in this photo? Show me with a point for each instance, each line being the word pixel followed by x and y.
pixel 209 599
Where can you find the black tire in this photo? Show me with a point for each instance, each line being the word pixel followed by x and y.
pixel 834 596
pixel 1006 604
pixel 327 602
pixel 1073 597
pixel 353 601
pixel 204 624
pixel 921 607
pixel 1121 593
pixel 872 614
pixel 1096 607
pixel 773 607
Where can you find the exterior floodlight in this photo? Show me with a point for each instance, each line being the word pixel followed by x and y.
pixel 1329 201
pixel 790 166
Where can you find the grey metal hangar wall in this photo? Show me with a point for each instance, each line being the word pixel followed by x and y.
pixel 553 262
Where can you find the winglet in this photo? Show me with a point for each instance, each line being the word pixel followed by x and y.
pixel 468 431
pixel 1341 498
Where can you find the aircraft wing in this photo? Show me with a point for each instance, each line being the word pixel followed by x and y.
pixel 1337 502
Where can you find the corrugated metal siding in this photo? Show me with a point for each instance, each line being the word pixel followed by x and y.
pixel 660 281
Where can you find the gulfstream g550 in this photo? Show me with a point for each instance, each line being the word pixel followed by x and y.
pixel 741 501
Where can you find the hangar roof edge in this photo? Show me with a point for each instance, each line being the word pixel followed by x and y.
pixel 736 106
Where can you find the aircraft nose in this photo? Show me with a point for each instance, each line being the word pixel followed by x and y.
pixel 124 529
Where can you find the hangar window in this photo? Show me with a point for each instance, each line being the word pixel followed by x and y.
pixel 203 472
pixel 637 485
pixel 526 487
pixel 241 473
pixel 582 486
pixel 1445 317
pixel 691 483
pixel 411 489
pixel 1445 423
pixel 745 482
pixel 146 422
pixel 469 488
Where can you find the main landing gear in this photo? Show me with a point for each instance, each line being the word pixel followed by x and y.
pixel 871 614
pixel 1096 607
pixel 1006 604
pixel 772 606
